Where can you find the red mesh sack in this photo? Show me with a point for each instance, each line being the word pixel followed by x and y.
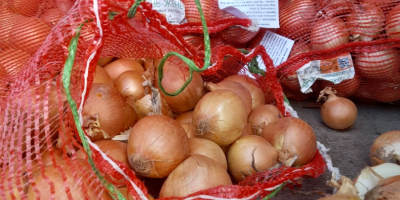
pixel 45 82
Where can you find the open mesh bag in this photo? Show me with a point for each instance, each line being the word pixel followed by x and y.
pixel 45 82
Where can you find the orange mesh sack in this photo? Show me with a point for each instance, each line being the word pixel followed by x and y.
pixel 57 94
pixel 367 30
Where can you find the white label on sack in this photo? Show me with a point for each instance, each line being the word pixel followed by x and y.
pixel 174 10
pixel 335 70
pixel 266 12
pixel 277 47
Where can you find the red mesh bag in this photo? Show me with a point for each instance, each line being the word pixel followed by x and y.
pixel 45 82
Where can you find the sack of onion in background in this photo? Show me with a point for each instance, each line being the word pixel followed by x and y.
pixel 327 30
pixel 43 152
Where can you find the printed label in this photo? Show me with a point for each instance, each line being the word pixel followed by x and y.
pixel 266 12
pixel 335 70
pixel 174 10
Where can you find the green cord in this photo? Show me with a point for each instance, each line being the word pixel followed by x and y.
pixel 272 194
pixel 253 64
pixel 132 10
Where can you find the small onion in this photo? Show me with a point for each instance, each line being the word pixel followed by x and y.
pixel 235 87
pixel 250 154
pixel 386 148
pixel 208 148
pixel 117 67
pixel 157 145
pixel 337 112
pixel 345 88
pixel 176 73
pixel 130 84
pixel 366 22
pixel 262 115
pixel 196 173
pixel 393 22
pixel 293 138
pixel 257 94
pixel 148 104
pixel 220 116
pixel 101 76
pixel 103 112
pixel 328 34
pixel 185 117
pixel 189 129
pixel 104 60
pixel 381 65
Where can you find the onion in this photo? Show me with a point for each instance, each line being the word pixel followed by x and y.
pixel 384 91
pixel 157 145
pixel 189 130
pixel 381 65
pixel 196 173
pixel 185 117
pixel 338 8
pixel 393 22
pixel 337 112
pixel 127 196
pixel 370 177
pixel 67 174
pixel 249 154
pixel 64 5
pixel 149 105
pixel 9 178
pixel 387 188
pixel 386 148
pixel 257 94
pixel 209 7
pixel 262 115
pixel 130 116
pixel 130 84
pixel 345 88
pixel 7 21
pixel 113 149
pixel 293 138
pixel 328 34
pixel 208 148
pixel 366 22
pixel 104 60
pixel 25 7
pixel 29 34
pixel 101 76
pixel 13 61
pixel 52 16
pixel 235 87
pixel 176 73
pixel 220 116
pixel 103 112
pixel 347 190
pixel 117 67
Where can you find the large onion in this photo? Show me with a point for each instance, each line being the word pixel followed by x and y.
pixel 196 173
pixel 208 148
pixel 393 22
pixel 220 116
pixel 157 145
pixel 257 94
pixel 235 87
pixel 117 67
pixel 103 112
pixel 380 65
pixel 328 34
pixel 262 115
pixel 386 148
pixel 250 154
pixel 130 84
pixel 366 22
pixel 293 138
pixel 176 73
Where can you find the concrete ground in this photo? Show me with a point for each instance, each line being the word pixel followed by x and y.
pixel 349 149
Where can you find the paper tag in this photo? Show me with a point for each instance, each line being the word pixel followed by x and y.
pixel 335 70
pixel 174 10
pixel 266 12
pixel 277 47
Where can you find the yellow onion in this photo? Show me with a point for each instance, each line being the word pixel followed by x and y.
pixel 176 73
pixel 250 154
pixel 103 112
pixel 345 88
pixel 130 116
pixel 220 116
pixel 130 84
pixel 366 22
pixel 387 189
pixel 104 60
pixel 196 173
pixel 149 105
pixel 235 87
pixel 113 149
pixel 393 22
pixel 185 117
pixel 189 130
pixel 101 76
pixel 208 148
pixel 209 7
pixel 117 67
pixel 7 21
pixel 13 60
pixel 257 94
pixel 262 115
pixel 337 112
pixel 25 7
pixel 386 148
pixel 328 34
pixel 14 188
pixel 157 145
pixel 293 138
pixel 384 91
pixel 52 16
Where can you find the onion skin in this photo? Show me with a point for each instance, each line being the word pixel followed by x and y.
pixel 347 190
pixel 189 130
pixel 208 148
pixel 129 84
pixel 386 148
pixel 130 116
pixel 175 75
pixel 328 34
pixel 103 112
pixel 262 115
pixel 382 65
pixel 220 116
pixel 185 117
pixel 117 67
pixel 104 60
pixel 157 145
pixel 292 136
pixel 250 154
pixel 144 107
pixel 387 189
pixel 101 76
pixel 196 173
pixel 7 21
pixel 257 95
pixel 210 9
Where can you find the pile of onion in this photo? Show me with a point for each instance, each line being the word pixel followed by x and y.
pixel 337 112
pixel 386 148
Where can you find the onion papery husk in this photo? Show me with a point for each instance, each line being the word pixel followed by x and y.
pixel 386 148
